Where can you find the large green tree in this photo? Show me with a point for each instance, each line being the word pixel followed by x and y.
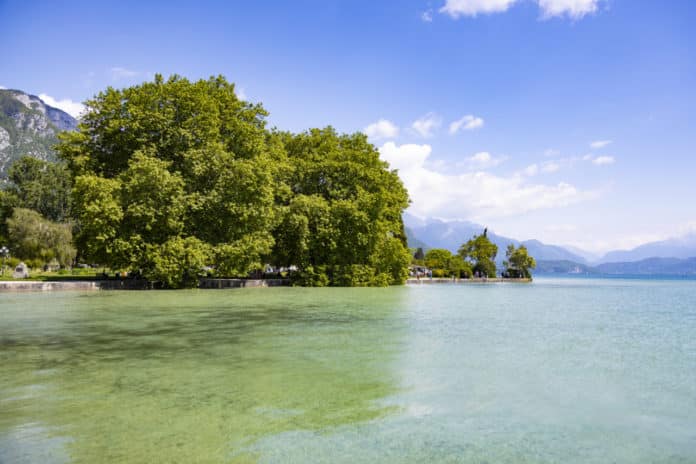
pixel 481 253
pixel 169 170
pixel 171 175
pixel 342 217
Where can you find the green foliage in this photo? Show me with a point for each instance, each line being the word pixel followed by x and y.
pixel 41 186
pixel 177 263
pixel 480 252
pixel 518 263
pixel 343 214
pixel 418 255
pixel 166 166
pixel 444 264
pixel 169 171
pixel 39 240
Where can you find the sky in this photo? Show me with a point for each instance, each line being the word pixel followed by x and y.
pixel 569 121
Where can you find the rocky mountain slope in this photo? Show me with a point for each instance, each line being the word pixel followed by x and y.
pixel 28 126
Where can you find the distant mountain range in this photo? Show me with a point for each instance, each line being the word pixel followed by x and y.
pixel 680 247
pixel 434 233
pixel 675 256
pixel 28 126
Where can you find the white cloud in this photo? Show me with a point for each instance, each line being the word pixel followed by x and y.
pixel 382 129
pixel 240 93
pixel 597 144
pixel 427 16
pixel 74 109
pixel 574 9
pixel 601 160
pixel 550 166
pixel 118 74
pixel 468 122
pixel 482 160
pixel 471 195
pixel 425 125
pixel 531 170
pixel 2 87
pixel 458 8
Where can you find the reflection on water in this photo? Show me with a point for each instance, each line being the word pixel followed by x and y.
pixel 189 376
pixel 573 371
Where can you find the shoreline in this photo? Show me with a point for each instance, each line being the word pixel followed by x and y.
pixel 478 281
pixel 204 284
pixel 129 284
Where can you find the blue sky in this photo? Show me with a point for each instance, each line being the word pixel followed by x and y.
pixel 570 121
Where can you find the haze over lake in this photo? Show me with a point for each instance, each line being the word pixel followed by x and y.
pixel 566 370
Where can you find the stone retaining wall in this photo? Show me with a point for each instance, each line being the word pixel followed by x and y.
pixel 128 284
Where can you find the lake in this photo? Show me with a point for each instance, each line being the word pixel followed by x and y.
pixel 558 371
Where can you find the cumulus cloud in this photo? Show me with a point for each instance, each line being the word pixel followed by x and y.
pixel 468 122
pixel 550 166
pixel 74 109
pixel 471 195
pixel 531 170
pixel 482 160
pixel 601 160
pixel 546 167
pixel 574 9
pixel 382 129
pixel 458 8
pixel 426 125
pixel 597 144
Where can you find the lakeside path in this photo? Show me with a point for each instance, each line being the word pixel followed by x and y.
pixel 127 284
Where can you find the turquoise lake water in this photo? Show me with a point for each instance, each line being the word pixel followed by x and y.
pixel 558 371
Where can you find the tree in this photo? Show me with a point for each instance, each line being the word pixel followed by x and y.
pixel 518 262
pixel 438 259
pixel 419 255
pixel 37 185
pixel 342 214
pixel 171 174
pixel 481 252
pixel 444 263
pixel 42 186
pixel 168 171
pixel 39 240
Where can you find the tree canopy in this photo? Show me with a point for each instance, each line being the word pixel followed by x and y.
pixel 518 262
pixel 481 253
pixel 445 264
pixel 171 176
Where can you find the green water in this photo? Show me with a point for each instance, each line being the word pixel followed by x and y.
pixel 568 371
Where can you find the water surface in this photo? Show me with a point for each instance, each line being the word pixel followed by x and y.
pixel 568 370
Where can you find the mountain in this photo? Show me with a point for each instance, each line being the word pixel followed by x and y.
pixel 679 247
pixel 451 234
pixel 589 256
pixel 28 126
pixel 651 266
pixel 413 241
